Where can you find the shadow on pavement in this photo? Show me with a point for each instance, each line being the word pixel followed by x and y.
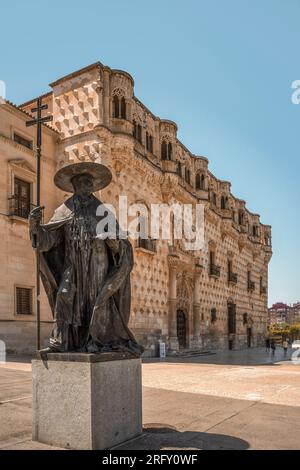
pixel 159 437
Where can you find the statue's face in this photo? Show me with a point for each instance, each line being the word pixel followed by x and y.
pixel 83 185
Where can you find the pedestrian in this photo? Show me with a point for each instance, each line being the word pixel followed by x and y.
pixel 267 344
pixel 273 347
pixel 285 346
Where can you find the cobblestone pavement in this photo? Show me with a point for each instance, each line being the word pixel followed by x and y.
pixel 229 400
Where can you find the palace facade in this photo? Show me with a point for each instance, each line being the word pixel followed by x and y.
pixel 211 298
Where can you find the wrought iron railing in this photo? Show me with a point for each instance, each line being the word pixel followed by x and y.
pixel 214 270
pixel 147 244
pixel 19 207
pixel 263 289
pixel 251 286
pixel 232 277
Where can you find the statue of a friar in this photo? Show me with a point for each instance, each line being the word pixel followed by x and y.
pixel 86 276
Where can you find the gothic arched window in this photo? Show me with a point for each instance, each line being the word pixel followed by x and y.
pixel 223 202
pixel 200 179
pixel 187 176
pixel 134 130
pixel 139 133
pixel 170 151
pixel 116 106
pixel 119 107
pixel 164 150
pixel 123 108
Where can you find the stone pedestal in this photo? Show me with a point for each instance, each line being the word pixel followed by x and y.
pixel 86 401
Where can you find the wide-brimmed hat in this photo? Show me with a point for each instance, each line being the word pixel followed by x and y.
pixel 101 175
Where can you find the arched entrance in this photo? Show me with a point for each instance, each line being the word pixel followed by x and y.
pixel 231 324
pixel 181 328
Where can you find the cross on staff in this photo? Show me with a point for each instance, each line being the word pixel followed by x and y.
pixel 38 122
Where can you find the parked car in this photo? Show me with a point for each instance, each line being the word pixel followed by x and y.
pixel 296 344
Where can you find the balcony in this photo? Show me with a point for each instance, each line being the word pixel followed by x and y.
pixel 19 207
pixel 263 290
pixel 214 270
pixel 232 278
pixel 251 286
pixel 146 244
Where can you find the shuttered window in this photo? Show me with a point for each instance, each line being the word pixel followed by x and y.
pixel 23 301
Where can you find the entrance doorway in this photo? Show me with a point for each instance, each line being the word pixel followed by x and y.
pixel 181 328
pixel 249 337
pixel 231 324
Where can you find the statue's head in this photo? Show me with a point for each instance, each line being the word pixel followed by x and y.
pixel 83 184
pixel 82 178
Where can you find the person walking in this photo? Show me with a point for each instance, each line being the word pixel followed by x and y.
pixel 273 347
pixel 285 346
pixel 267 344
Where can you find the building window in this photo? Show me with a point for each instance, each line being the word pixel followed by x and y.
pixel 179 168
pixel 115 106
pixel 24 301
pixel 255 231
pixel 245 318
pixel 224 202
pixel 214 270
pixel 187 175
pixel 166 150
pixel 200 181
pixel 169 151
pixel 119 107
pixel 213 198
pixel 251 284
pixel 23 141
pixel 139 133
pixel 262 287
pixel 134 132
pixel 20 202
pixel 147 243
pixel 213 315
pixel 241 218
pixel 149 142
pixel 123 108
pixel 232 277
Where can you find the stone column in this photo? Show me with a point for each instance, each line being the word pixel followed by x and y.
pixel 106 98
pixel 100 104
pixel 128 109
pixel 173 340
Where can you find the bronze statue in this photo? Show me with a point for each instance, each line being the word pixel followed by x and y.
pixel 86 277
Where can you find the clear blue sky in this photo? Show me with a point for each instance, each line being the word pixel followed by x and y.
pixel 221 69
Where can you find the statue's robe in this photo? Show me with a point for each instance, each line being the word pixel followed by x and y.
pixel 87 280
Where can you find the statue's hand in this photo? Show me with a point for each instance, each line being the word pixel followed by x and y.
pixel 114 244
pixel 35 217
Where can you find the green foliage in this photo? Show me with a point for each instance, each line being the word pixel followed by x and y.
pixel 285 330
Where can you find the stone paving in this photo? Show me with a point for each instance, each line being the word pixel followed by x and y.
pixel 229 400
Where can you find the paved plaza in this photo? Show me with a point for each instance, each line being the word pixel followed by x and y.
pixel 228 400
